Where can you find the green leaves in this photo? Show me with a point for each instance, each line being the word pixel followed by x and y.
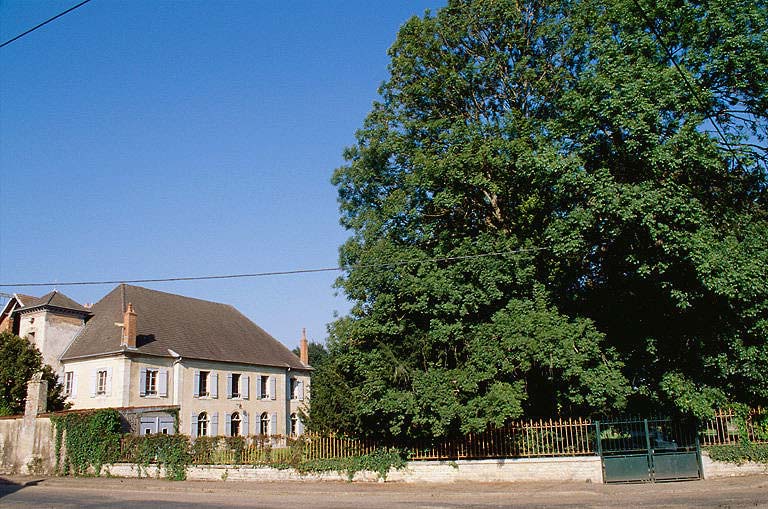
pixel 584 131
pixel 19 361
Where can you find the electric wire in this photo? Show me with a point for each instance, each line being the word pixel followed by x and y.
pixel 280 272
pixel 44 23
pixel 690 86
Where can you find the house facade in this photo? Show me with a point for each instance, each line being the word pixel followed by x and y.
pixel 140 348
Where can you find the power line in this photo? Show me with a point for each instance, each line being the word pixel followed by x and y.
pixel 279 272
pixel 691 88
pixel 44 23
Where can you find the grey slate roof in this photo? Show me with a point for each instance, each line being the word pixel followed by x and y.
pixel 53 299
pixel 193 328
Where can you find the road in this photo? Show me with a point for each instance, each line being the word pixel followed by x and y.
pixel 28 492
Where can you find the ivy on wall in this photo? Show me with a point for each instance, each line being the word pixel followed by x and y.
pixel 169 451
pixel 90 440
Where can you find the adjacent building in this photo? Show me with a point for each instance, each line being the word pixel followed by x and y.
pixel 141 348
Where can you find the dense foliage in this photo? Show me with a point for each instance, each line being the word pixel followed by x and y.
pixel 91 439
pixel 172 452
pixel 614 152
pixel 19 361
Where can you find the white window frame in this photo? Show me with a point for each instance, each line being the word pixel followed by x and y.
pixel 237 379
pixel 69 382
pixel 203 425
pixel 151 382
pixel 204 383
pixel 101 382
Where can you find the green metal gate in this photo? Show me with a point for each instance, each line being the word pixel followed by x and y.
pixel 648 450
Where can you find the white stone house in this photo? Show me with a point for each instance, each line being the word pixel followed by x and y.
pixel 141 348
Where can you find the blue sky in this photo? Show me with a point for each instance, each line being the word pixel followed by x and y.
pixel 150 139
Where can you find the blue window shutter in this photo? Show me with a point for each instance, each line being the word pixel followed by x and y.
pixel 244 423
pixel 214 377
pixel 196 387
pixel 73 394
pixel 229 385
pixel 193 426
pixel 162 383
pixel 273 424
pixel 109 382
pixel 94 382
pixel 143 382
pixel 300 390
pixel 215 424
pixel 299 426
pixel 272 388
pixel 245 384
pixel 258 387
pixel 227 424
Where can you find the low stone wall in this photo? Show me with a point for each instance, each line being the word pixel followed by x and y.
pixel 579 468
pixel 26 445
pixel 714 469
pixel 584 468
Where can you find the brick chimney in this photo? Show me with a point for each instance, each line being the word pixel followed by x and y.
pixel 304 348
pixel 129 327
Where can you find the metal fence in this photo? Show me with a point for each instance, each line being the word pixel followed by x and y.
pixel 518 439
pixel 724 428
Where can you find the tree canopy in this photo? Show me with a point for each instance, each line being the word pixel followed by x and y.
pixel 556 208
pixel 19 361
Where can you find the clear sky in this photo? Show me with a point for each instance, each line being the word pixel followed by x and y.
pixel 151 139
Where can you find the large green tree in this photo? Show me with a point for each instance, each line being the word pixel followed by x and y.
pixel 557 207
pixel 19 361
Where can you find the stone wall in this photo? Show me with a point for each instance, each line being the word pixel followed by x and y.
pixel 714 469
pixel 26 448
pixel 584 469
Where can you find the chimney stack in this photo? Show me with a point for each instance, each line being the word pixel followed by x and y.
pixel 304 348
pixel 129 327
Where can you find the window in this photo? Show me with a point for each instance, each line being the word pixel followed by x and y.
pixel 235 386
pixel 69 377
pixel 203 387
pixel 234 429
pixel 147 431
pixel 264 424
pixel 264 387
pixel 101 381
pixel 294 386
pixel 202 424
pixel 150 381
pixel 294 425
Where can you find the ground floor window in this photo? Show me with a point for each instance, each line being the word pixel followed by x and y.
pixel 264 427
pixel 235 425
pixel 202 424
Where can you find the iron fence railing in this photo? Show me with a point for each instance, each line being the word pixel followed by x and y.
pixel 518 439
pixel 725 428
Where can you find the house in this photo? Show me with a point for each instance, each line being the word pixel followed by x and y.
pixel 141 348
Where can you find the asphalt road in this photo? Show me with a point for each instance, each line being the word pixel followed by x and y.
pixel 159 494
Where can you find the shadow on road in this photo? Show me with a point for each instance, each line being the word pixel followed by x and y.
pixel 8 487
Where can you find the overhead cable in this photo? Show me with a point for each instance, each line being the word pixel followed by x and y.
pixel 280 272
